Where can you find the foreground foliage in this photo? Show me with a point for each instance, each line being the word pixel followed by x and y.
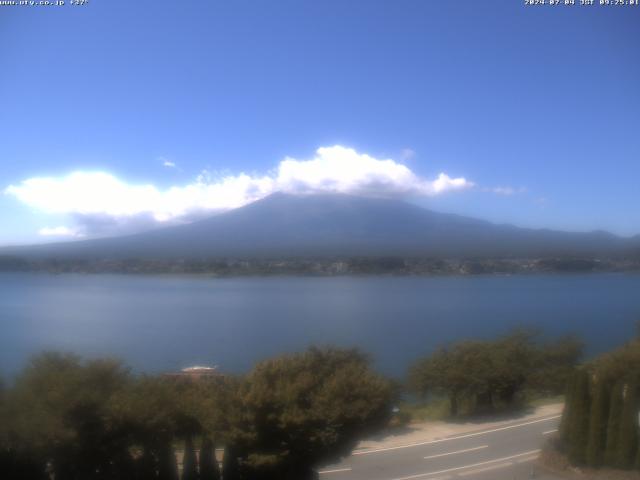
pixel 600 424
pixel 483 376
pixel 73 419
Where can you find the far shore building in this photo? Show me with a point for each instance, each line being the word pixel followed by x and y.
pixel 197 372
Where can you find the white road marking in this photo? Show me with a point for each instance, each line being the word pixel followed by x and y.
pixel 549 431
pixel 458 451
pixel 336 470
pixel 475 434
pixel 418 475
pixel 527 459
pixel 485 469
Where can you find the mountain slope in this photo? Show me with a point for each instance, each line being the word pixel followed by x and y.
pixel 334 225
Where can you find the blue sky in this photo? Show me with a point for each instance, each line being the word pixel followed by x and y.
pixel 531 113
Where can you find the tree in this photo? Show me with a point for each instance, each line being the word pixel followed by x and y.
pixel 613 424
pixel 621 363
pixel 461 372
pixel 579 428
pixel 598 423
pixel 230 467
pixel 627 431
pixel 308 408
pixel 567 414
pixel 167 465
pixel 152 410
pixel 209 469
pixel 146 466
pixel 493 374
pixel 60 411
pixel 555 363
pixel 512 360
pixel 619 368
pixel 189 461
pixel 218 408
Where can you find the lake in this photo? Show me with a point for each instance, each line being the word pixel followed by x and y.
pixel 163 323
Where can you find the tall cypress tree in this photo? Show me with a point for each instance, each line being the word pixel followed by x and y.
pixel 628 435
pixel 167 465
pixel 209 469
pixel 565 421
pixel 579 426
pixel 189 463
pixel 598 423
pixel 146 465
pixel 613 425
pixel 230 464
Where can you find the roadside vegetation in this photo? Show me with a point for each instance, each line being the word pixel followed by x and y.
pixel 69 419
pixel 66 418
pixel 488 376
pixel 600 424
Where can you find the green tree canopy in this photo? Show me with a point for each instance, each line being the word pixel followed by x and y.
pixel 308 408
pixel 610 384
pixel 490 374
pixel 60 410
pixel 93 420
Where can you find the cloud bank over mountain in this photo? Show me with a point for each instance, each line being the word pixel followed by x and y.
pixel 101 203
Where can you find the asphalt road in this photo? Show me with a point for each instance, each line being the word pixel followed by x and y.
pixel 507 452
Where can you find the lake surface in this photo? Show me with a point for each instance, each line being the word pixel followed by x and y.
pixel 163 323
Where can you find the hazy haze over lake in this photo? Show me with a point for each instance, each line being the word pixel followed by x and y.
pixel 159 323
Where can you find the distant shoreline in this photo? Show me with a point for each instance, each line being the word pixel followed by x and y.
pixel 324 267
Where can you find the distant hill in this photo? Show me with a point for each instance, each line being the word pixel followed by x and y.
pixel 334 225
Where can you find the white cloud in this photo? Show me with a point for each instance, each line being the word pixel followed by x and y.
pixel 333 169
pixel 61 231
pixel 343 170
pixel 503 190
pixel 407 154
pixel 506 191
pixel 168 163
